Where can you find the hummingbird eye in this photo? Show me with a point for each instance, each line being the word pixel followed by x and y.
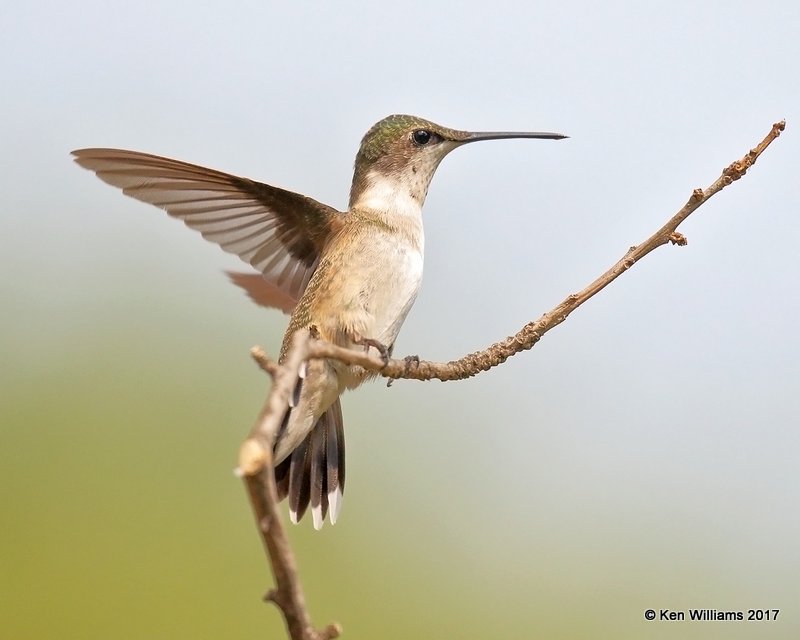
pixel 422 137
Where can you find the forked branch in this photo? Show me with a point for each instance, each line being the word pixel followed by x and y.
pixel 255 457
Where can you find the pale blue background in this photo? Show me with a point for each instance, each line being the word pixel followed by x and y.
pixel 645 454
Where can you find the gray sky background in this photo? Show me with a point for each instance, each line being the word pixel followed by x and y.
pixel 647 449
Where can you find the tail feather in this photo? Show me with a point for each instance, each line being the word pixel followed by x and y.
pixel 313 474
pixel 283 467
pixel 262 292
pixel 282 478
pixel 318 452
pixel 299 477
pixel 335 460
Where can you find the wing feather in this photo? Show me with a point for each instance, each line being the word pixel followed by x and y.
pixel 279 232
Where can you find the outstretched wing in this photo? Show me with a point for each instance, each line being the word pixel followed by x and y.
pixel 279 232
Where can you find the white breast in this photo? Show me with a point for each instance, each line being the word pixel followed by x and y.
pixel 394 289
pixel 379 299
pixel 392 260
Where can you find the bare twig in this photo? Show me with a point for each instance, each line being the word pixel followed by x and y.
pixel 532 332
pixel 255 457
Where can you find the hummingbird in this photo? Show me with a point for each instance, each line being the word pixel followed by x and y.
pixel 350 275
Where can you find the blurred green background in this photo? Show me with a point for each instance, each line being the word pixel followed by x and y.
pixel 644 455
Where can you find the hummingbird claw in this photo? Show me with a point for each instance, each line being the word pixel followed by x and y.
pixel 383 350
pixel 409 361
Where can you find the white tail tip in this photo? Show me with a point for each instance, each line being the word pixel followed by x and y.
pixel 335 503
pixel 316 514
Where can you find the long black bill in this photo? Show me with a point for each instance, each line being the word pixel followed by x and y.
pixel 503 135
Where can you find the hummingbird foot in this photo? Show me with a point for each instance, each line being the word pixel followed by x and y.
pixel 383 350
pixel 408 360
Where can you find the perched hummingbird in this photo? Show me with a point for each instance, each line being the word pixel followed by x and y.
pixel 351 275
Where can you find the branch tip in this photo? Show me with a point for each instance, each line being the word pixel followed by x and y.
pixel 252 457
pixel 330 632
pixel 263 361
pixel 257 353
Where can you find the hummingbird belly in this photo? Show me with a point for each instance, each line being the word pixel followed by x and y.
pixel 385 298
pixel 391 291
pixel 371 295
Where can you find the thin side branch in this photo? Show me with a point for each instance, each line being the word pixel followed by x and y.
pixel 255 456
pixel 532 332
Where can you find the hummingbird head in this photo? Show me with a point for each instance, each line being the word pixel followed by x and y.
pixel 399 155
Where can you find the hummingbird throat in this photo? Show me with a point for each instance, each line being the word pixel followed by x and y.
pixel 399 196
